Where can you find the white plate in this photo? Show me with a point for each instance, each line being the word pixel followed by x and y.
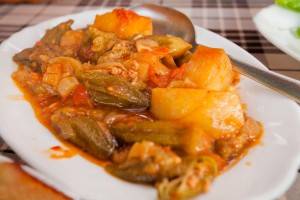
pixel 276 24
pixel 273 164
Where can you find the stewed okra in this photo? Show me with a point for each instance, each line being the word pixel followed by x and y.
pixel 153 109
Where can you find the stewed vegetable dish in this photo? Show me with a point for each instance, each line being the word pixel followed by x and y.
pixel 157 110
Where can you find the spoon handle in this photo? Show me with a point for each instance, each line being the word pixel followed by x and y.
pixel 284 85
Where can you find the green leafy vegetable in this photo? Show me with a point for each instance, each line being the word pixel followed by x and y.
pixel 297 32
pixel 289 4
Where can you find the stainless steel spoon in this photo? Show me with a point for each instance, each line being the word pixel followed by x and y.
pixel 170 21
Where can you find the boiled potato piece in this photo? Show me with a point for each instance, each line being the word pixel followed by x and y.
pixel 124 23
pixel 175 103
pixel 209 68
pixel 196 140
pixel 219 114
pixel 177 46
pixel 107 22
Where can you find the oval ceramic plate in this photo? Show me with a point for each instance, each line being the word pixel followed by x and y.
pixel 265 173
pixel 281 32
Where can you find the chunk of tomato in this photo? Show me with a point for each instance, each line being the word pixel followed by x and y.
pixel 80 96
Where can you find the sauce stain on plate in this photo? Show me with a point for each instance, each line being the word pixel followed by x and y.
pixel 57 152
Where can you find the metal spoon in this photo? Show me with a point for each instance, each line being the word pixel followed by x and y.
pixel 170 21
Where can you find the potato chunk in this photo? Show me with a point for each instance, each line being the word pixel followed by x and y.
pixel 196 140
pixel 219 114
pixel 175 103
pixel 124 23
pixel 209 68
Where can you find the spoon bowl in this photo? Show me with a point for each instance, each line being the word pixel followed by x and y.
pixel 170 21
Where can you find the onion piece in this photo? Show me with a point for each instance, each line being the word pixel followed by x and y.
pixel 145 44
pixel 67 85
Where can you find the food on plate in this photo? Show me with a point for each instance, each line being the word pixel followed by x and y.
pixel 16 184
pixel 220 113
pixel 209 68
pixel 175 103
pixel 124 23
pixel 153 109
pixel 292 5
